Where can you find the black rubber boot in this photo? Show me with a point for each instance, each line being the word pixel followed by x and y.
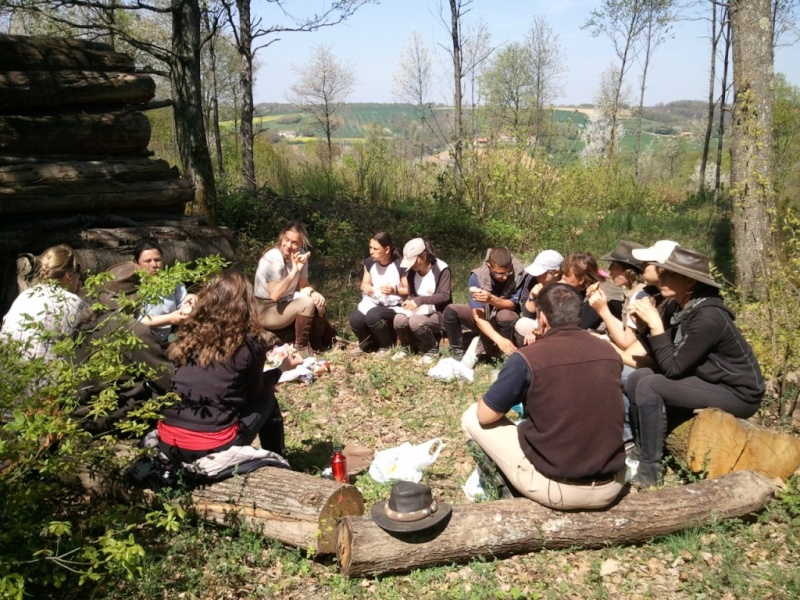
pixel 382 334
pixel 428 343
pixel 452 325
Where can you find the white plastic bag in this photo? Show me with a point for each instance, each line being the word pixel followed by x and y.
pixel 405 462
pixel 448 369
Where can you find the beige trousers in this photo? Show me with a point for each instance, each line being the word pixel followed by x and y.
pixel 500 442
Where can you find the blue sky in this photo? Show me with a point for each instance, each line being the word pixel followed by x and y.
pixel 373 39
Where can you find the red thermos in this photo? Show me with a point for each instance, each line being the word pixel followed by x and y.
pixel 339 467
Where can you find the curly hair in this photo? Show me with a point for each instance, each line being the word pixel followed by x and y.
pixel 220 322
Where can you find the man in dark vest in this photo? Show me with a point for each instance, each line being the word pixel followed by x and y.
pixel 493 307
pixel 568 453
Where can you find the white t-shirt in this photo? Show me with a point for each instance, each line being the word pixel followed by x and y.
pixel 39 316
pixel 273 267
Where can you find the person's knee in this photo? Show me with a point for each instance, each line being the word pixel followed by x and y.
pixel 401 322
pixel 357 321
pixel 469 420
pixel 305 306
pixel 450 315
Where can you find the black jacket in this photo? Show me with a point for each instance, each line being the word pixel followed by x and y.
pixel 703 341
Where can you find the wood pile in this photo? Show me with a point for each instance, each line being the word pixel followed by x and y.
pixel 74 161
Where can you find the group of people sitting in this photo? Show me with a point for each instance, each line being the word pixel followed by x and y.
pixel 599 361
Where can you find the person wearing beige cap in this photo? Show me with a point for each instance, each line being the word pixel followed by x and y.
pixel 701 358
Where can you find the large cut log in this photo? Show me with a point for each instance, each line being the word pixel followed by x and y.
pixel 110 195
pixel 93 134
pixel 24 53
pixel 26 91
pixel 294 508
pixel 507 527
pixel 717 443
pixel 15 175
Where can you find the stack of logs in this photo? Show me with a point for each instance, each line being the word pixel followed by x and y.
pixel 74 162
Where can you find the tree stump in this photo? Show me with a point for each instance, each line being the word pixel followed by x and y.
pixel 507 527
pixel 718 443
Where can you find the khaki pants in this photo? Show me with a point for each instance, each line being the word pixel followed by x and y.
pixel 274 316
pixel 501 443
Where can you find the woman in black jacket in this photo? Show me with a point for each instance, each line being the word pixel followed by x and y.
pixel 701 358
pixel 226 396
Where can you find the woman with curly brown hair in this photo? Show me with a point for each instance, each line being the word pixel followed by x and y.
pixel 226 397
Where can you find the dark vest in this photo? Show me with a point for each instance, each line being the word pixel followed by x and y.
pixel 574 406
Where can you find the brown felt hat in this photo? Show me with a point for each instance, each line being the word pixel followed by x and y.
pixel 689 263
pixel 623 253
pixel 125 278
pixel 410 508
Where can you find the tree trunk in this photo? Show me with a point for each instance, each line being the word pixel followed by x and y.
pixel 712 81
pixel 23 53
pixel 246 79
pixel 723 103
pixel 214 101
pixel 27 91
pixel 98 134
pixel 718 443
pixel 188 112
pixel 294 508
pixel 507 527
pixel 458 121
pixel 751 142
pixel 16 173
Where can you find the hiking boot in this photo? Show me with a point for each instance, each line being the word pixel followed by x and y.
pixel 648 474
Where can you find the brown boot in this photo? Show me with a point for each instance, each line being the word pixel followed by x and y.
pixel 302 332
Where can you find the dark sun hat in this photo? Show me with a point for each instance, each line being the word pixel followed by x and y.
pixel 410 507
pixel 623 253
pixel 689 263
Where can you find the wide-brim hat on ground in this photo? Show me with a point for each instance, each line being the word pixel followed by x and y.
pixel 547 260
pixel 410 508
pixel 411 251
pixel 623 254
pixel 689 263
pixel 657 253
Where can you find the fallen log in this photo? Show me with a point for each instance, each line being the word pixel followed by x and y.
pixel 506 527
pixel 717 443
pixel 26 91
pixel 294 508
pixel 37 53
pixel 113 133
pixel 17 175
pixel 88 196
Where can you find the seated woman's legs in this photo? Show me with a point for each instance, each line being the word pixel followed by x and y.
pixel 402 327
pixel 427 331
pixel 358 323
pixel 379 320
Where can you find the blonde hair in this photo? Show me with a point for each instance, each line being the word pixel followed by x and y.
pixel 55 262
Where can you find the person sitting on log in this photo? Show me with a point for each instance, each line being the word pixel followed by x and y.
pixel 545 268
pixel 147 369
pixel 163 316
pixel 567 453
pixel 226 396
pixel 701 358
pixel 494 290
pixel 383 287
pixel 429 293
pixel 49 310
pixel 284 295
pixel 580 270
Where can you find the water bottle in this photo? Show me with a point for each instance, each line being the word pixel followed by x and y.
pixel 339 466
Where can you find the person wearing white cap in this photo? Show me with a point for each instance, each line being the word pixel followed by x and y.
pixel 545 268
pixel 701 358
pixel 429 291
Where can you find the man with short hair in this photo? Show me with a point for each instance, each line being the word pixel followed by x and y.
pixel 494 290
pixel 568 453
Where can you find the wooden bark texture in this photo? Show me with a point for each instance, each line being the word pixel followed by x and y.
pixel 35 53
pixel 294 508
pixel 93 134
pixel 30 91
pixel 507 527
pixel 719 443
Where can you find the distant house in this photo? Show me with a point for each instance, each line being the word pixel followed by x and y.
pixel 287 135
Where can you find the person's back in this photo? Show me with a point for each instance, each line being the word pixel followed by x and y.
pixel 574 405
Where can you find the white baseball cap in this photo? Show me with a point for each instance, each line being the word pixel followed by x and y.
pixel 657 253
pixel 411 251
pixel 547 260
